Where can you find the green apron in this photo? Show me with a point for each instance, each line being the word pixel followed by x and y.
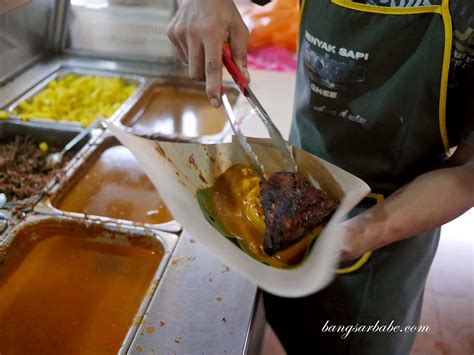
pixel 370 98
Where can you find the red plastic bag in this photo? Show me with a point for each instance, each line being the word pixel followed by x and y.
pixel 276 23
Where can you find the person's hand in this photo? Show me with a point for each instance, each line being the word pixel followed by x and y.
pixel 361 235
pixel 353 246
pixel 414 208
pixel 199 30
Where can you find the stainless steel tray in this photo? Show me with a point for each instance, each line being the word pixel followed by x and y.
pixel 179 85
pixel 75 172
pixel 53 134
pixel 115 233
pixel 137 80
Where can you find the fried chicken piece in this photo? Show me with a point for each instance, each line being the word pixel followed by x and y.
pixel 292 208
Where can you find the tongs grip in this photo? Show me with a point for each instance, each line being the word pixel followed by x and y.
pixel 235 72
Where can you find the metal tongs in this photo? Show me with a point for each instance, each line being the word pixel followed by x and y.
pixel 289 163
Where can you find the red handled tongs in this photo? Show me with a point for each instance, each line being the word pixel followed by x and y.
pixel 278 141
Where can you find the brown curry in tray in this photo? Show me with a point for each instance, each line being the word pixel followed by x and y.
pixel 275 220
pixel 70 289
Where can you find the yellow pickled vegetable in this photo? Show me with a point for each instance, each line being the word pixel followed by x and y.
pixel 43 146
pixel 78 98
pixel 4 115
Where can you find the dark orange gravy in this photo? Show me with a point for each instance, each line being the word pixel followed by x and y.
pixel 235 204
pixel 115 186
pixel 169 112
pixel 64 292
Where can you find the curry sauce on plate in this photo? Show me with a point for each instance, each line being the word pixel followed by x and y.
pixel 232 205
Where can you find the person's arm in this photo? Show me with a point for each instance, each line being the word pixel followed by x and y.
pixel 199 30
pixel 430 200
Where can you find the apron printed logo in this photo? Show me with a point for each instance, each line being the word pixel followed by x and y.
pixel 321 44
pixel 342 114
pixel 343 52
pixel 334 75
pixel 463 53
pixel 323 92
pixel 330 72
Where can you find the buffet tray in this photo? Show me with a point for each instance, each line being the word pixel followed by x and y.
pixel 76 171
pixel 180 86
pixel 54 135
pixel 62 71
pixel 114 234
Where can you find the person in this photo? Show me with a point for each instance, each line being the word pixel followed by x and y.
pixel 385 90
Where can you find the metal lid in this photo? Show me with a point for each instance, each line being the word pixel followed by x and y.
pixel 133 30
pixel 24 34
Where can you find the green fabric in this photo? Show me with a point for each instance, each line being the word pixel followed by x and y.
pixel 383 126
pixel 460 110
pixel 373 112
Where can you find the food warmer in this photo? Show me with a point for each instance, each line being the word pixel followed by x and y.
pixel 57 54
